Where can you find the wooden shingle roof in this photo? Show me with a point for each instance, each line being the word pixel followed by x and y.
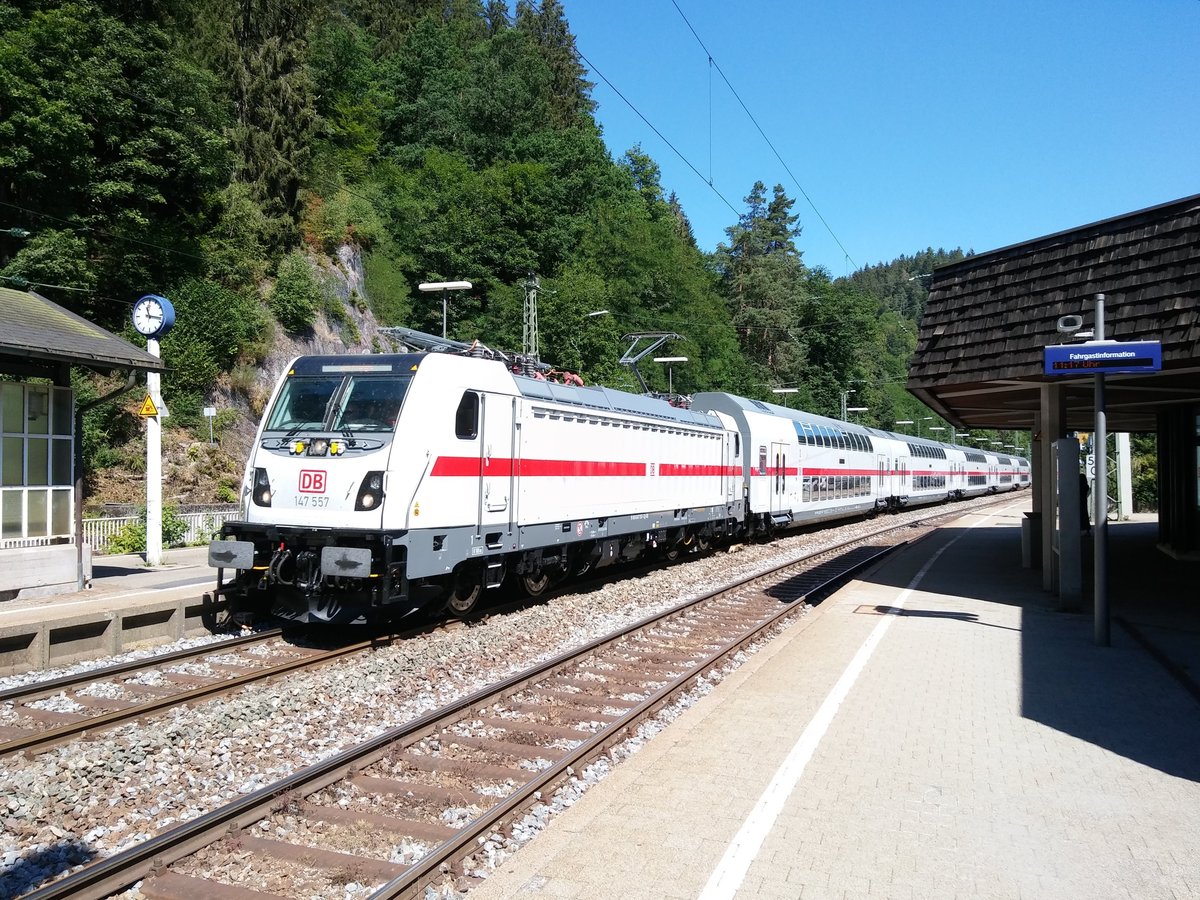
pixel 33 328
pixel 988 318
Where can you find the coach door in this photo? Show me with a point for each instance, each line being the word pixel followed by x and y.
pixel 779 483
pixel 496 480
pixel 882 484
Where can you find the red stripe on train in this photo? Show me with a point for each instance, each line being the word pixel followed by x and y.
pixel 469 466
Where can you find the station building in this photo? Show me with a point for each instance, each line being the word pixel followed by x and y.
pixel 41 459
pixel 989 317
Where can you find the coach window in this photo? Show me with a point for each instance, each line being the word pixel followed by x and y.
pixel 466 420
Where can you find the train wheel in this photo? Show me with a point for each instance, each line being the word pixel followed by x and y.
pixel 466 587
pixel 537 583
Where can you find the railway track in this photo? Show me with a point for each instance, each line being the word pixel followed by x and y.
pixel 51 712
pixel 409 808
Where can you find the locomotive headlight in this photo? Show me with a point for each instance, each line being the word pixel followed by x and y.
pixel 336 448
pixel 319 447
pixel 298 448
pixel 262 488
pixel 370 493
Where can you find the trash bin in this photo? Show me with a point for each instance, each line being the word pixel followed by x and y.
pixel 1031 541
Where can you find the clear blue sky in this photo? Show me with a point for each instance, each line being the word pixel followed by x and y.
pixel 908 124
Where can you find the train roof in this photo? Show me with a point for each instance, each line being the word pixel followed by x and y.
pixel 356 363
pixel 609 400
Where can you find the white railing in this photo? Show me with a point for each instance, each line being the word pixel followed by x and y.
pixel 201 526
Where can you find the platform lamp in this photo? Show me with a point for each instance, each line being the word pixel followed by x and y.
pixel 936 428
pixel 441 287
pixel 845 395
pixel 669 360
pixel 785 392
pixel 904 421
pixel 855 409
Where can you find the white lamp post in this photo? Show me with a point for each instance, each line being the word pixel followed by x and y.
pixel 785 392
pixel 670 375
pixel 441 287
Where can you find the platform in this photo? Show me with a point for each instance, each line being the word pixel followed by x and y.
pixel 128 605
pixel 936 729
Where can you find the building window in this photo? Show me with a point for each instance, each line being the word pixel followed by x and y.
pixel 37 493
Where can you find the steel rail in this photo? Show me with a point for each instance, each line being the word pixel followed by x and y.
pixel 38 689
pixel 46 738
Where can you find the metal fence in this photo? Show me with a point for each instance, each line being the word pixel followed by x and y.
pixel 201 527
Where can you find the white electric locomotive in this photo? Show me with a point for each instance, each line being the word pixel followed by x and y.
pixel 380 484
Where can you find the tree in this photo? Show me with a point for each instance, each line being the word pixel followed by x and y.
pixel 106 134
pixel 274 114
pixel 547 25
pixel 763 279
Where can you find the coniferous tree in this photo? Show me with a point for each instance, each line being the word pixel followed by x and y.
pixel 547 25
pixel 763 278
pixel 274 114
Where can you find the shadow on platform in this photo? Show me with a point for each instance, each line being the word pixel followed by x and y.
pixel 1137 698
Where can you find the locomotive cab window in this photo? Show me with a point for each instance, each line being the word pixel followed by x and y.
pixel 371 403
pixel 303 404
pixel 466 420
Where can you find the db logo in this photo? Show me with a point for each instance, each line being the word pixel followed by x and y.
pixel 312 481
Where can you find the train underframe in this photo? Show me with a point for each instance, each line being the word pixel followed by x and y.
pixel 347 577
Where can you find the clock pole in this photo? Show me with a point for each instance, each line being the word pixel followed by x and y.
pixel 153 316
pixel 153 466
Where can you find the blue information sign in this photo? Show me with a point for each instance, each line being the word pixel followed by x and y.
pixel 1104 358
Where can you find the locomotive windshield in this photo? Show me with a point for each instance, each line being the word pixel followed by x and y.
pixel 342 403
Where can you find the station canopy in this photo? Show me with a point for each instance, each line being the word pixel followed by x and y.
pixel 979 355
pixel 36 332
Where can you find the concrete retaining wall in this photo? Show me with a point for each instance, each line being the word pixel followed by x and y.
pixel 46 645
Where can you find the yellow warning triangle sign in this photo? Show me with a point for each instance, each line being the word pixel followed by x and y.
pixel 148 408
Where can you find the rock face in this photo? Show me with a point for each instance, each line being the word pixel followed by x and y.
pixel 198 472
pixel 358 332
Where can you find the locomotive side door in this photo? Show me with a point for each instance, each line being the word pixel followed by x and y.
pixel 496 470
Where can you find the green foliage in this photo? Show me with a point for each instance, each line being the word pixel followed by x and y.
pixel 104 128
pixel 52 257
pixel 235 247
pixel 297 294
pixel 763 279
pixel 107 428
pixel 132 537
pixel 1144 453
pixel 340 218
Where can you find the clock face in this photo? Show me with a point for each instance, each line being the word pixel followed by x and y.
pixel 153 315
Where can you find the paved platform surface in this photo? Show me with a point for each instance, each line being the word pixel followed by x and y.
pixel 118 582
pixel 977 744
